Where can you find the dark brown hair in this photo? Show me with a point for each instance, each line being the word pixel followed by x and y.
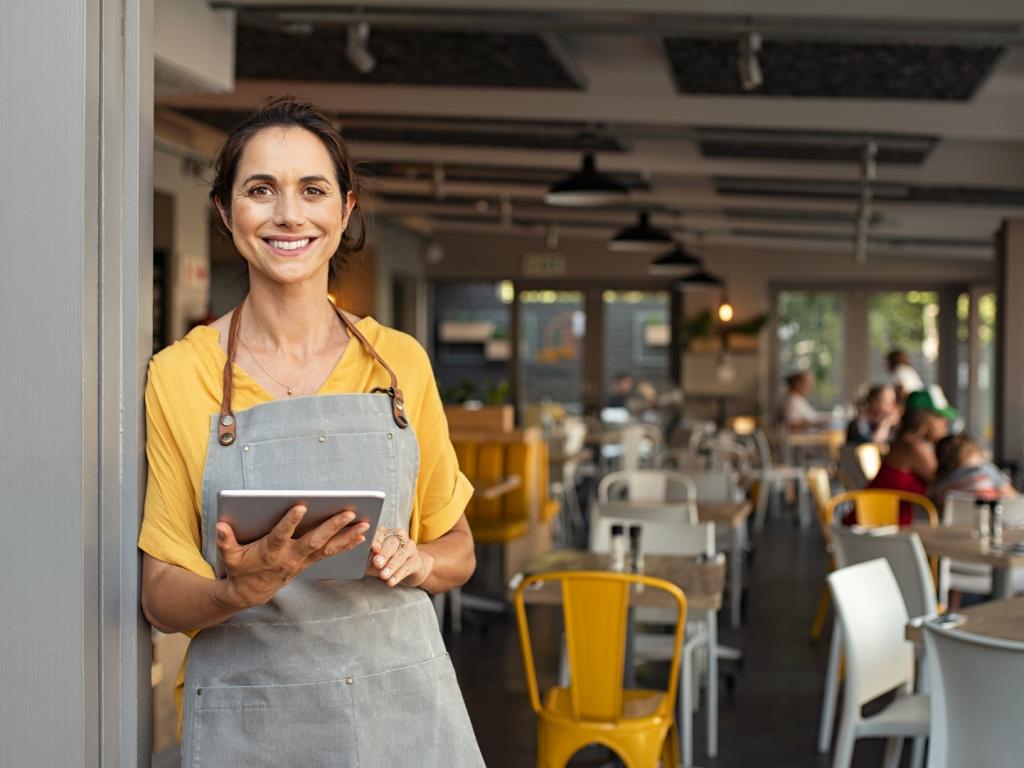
pixel 287 113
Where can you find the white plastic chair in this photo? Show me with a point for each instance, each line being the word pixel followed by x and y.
pixel 977 699
pixel 974 578
pixel 653 486
pixel 909 564
pixel 772 478
pixel 665 537
pixel 640 444
pixel 879 659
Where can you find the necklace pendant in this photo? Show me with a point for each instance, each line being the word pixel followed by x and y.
pixel 289 390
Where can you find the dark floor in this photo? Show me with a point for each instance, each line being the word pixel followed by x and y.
pixel 770 718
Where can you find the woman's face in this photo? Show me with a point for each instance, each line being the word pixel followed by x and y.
pixel 936 428
pixel 287 211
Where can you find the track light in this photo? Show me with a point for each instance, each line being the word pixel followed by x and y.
pixel 587 187
pixel 751 76
pixel 357 48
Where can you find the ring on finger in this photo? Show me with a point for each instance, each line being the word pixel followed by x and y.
pixel 397 535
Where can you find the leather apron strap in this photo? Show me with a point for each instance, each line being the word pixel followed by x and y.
pixel 226 424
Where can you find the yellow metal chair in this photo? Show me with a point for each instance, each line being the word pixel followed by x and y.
pixel 821 491
pixel 876 507
pixel 637 724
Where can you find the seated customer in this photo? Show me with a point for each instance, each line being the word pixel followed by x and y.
pixel 797 412
pixel 963 467
pixel 878 417
pixel 910 464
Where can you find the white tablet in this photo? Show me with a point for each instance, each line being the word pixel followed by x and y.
pixel 253 514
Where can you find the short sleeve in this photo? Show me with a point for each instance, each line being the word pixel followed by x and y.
pixel 442 491
pixel 170 522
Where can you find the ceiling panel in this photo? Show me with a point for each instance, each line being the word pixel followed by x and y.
pixel 404 56
pixel 882 191
pixel 837 70
pixel 819 146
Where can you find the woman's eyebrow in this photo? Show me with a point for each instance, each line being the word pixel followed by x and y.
pixel 259 177
pixel 321 179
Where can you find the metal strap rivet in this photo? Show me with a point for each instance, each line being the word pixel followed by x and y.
pixel 349 680
pixel 400 405
pixel 322 439
pixel 227 420
pixel 246 447
pixel 227 438
pixel 390 436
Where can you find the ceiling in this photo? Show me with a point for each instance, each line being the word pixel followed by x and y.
pixel 474 108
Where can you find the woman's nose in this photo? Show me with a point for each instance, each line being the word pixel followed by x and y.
pixel 288 210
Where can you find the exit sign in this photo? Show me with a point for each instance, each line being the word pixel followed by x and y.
pixel 543 264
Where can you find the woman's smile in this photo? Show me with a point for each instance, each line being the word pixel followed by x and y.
pixel 290 246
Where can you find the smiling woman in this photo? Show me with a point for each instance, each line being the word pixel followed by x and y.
pixel 271 397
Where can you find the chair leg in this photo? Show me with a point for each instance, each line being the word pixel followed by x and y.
pixel 670 749
pixel 762 491
pixel 821 615
pixel 917 752
pixel 893 751
pixel 684 707
pixel 842 756
pixel 828 703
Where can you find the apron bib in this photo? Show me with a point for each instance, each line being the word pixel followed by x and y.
pixel 346 674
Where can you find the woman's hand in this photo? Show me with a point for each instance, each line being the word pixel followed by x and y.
pixel 258 570
pixel 395 559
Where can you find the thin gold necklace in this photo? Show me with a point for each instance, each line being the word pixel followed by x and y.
pixel 287 388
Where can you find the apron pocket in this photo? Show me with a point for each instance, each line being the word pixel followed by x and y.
pixel 414 715
pixel 308 725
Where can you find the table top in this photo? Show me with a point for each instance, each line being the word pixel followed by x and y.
pixel 702 582
pixel 1002 619
pixel 816 438
pixel 957 542
pixel 730 514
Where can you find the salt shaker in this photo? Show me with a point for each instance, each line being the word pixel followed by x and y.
pixel 982 509
pixel 618 549
pixel 636 553
pixel 997 523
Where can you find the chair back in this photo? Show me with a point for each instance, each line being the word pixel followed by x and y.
pixel 594 611
pixel 876 507
pixel 976 700
pixel 960 509
pixel 820 486
pixel 873 619
pixel 762 448
pixel 575 431
pixel 715 485
pixel 906 558
pixel 640 443
pixel 850 466
pixel 663 534
pixel 647 485
pixel 869 457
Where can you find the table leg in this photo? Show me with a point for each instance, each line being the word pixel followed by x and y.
pixel 1002 583
pixel 712 644
pixel 736 577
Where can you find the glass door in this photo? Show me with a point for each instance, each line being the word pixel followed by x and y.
pixel 552 325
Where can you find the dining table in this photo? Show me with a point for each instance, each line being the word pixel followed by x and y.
pixel 1000 619
pixel 960 542
pixel 701 579
pixel 726 515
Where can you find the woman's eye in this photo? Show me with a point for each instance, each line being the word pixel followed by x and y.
pixel 314 191
pixel 259 191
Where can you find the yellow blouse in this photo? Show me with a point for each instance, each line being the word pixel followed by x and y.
pixel 184 390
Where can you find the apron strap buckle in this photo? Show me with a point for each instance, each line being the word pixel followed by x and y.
pixel 397 404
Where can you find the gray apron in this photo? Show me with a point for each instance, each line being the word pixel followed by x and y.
pixel 328 673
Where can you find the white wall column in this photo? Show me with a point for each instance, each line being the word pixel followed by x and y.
pixel 1009 438
pixel 75 314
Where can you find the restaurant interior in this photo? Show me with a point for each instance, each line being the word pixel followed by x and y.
pixel 695 279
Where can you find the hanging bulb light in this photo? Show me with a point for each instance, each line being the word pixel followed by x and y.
pixel 587 187
pixel 357 47
pixel 725 311
pixel 640 237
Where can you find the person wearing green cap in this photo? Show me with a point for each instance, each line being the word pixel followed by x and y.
pixel 931 399
pixel 911 464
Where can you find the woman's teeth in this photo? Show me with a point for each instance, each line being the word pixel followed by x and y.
pixel 289 245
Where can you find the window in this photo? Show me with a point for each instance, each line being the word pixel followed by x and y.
pixel 637 337
pixel 811 325
pixel 907 320
pixel 552 325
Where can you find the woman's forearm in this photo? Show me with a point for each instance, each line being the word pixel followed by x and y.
pixel 453 559
pixel 176 600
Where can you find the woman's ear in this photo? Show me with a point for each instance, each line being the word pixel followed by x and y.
pixel 225 214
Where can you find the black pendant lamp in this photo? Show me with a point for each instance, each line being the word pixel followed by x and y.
pixel 640 237
pixel 587 187
pixel 699 281
pixel 675 261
